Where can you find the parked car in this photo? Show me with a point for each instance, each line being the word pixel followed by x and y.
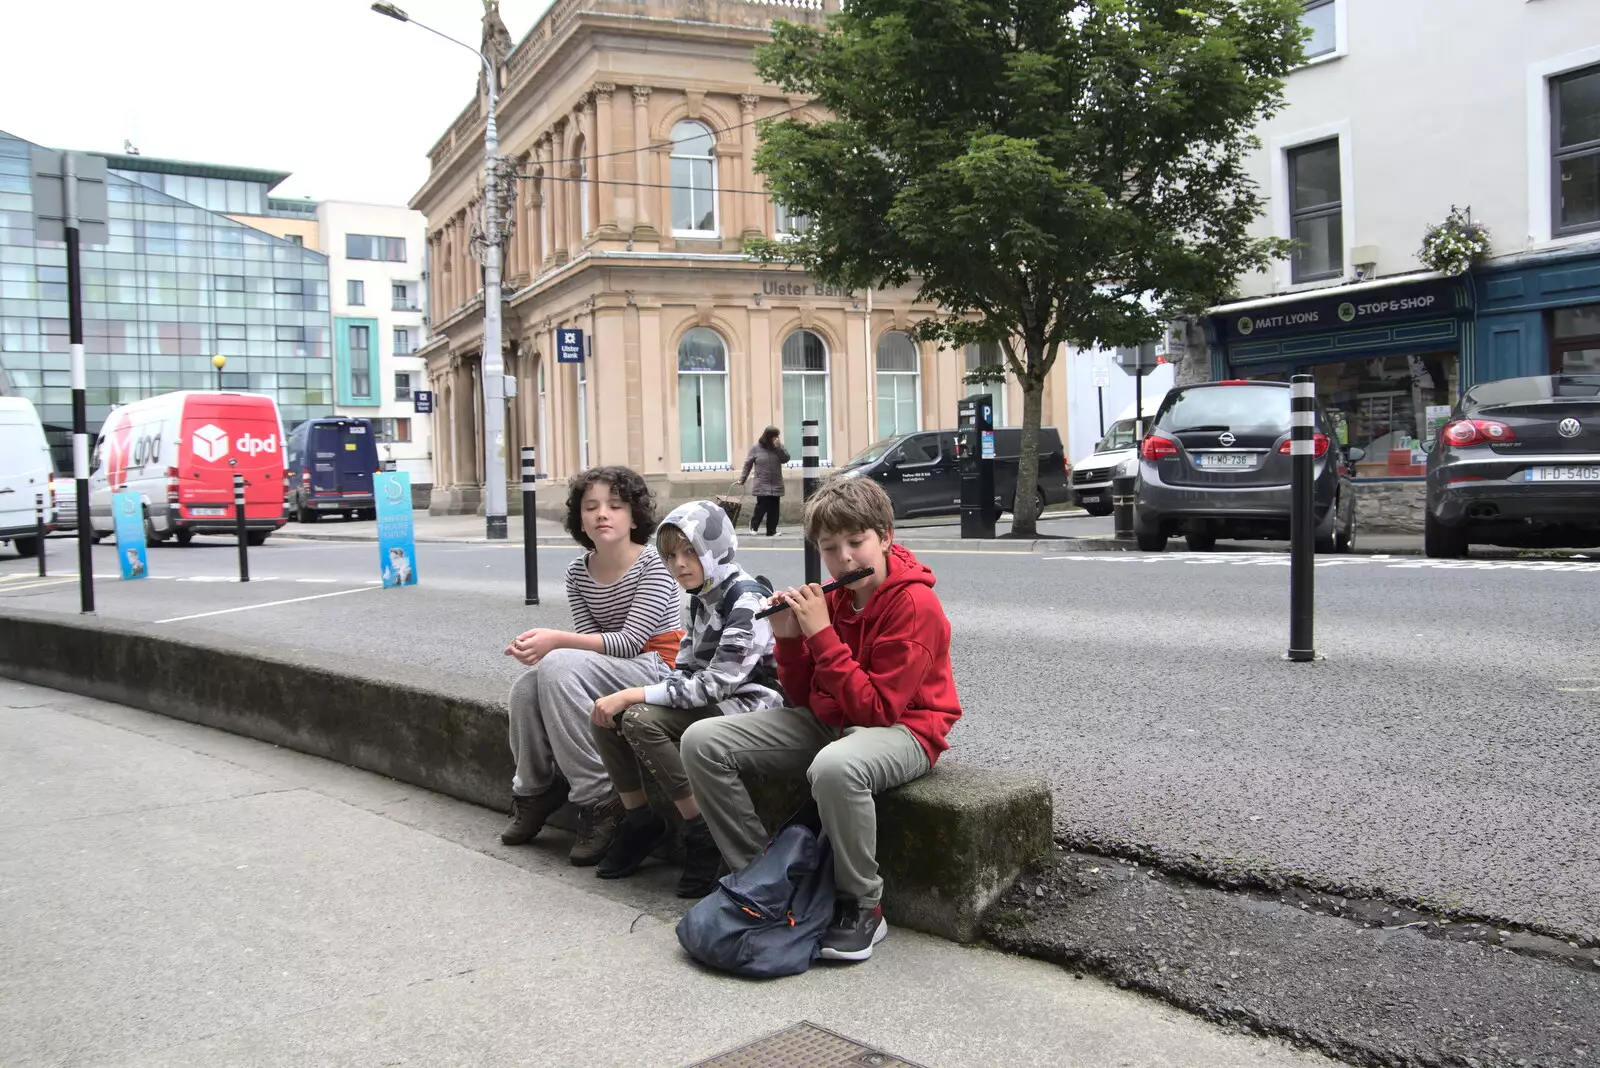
pixel 179 451
pixel 331 464
pixel 65 490
pixel 25 473
pixel 1216 465
pixel 1518 464
pixel 920 473
pixel 1092 475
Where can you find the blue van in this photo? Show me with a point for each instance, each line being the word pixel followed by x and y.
pixel 330 467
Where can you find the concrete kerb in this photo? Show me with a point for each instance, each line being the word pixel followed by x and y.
pixel 948 844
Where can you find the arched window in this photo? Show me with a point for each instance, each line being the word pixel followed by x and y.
pixel 703 398
pixel 987 354
pixel 899 385
pixel 805 388
pixel 694 180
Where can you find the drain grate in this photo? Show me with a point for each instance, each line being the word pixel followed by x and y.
pixel 805 1045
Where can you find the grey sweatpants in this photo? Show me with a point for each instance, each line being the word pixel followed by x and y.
pixel 550 727
pixel 845 770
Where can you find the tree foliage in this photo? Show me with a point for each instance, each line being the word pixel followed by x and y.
pixel 1046 172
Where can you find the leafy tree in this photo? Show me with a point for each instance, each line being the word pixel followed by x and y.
pixel 1047 172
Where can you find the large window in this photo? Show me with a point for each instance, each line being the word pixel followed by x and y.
pixel 1321 19
pixel 899 384
pixel 1575 340
pixel 368 247
pixel 694 180
pixel 805 388
pixel 1575 118
pixel 361 361
pixel 788 223
pixel 703 398
pixel 987 354
pixel 402 385
pixel 403 345
pixel 1316 213
pixel 355 292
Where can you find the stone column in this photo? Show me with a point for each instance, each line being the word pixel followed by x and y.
pixel 752 209
pixel 546 203
pixel 439 382
pixel 583 191
pixel 561 193
pixel 644 228
pixel 604 171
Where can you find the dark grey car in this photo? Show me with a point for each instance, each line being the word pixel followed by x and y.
pixel 1518 464
pixel 1215 464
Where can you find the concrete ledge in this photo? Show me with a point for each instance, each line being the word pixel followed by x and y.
pixel 948 844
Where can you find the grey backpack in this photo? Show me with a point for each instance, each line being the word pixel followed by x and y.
pixel 767 920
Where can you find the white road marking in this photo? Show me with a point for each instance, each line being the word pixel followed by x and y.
pixel 268 604
pixel 39 583
pixel 1282 560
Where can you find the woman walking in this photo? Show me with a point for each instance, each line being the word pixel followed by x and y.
pixel 767 456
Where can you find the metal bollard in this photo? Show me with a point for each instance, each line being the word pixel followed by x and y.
pixel 811 469
pixel 530 539
pixel 238 522
pixel 38 513
pixel 1122 498
pixel 1302 518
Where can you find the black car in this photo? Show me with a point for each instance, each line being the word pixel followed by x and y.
pixel 922 477
pixel 1216 464
pixel 1519 465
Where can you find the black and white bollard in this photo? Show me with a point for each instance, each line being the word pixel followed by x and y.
pixel 811 469
pixel 530 538
pixel 238 523
pixel 39 531
pixel 1122 500
pixel 1302 517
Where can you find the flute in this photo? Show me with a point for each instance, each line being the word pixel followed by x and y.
pixel 829 587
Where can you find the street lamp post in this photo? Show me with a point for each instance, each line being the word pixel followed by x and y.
pixel 219 361
pixel 494 382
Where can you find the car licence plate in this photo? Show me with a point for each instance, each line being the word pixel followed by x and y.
pixel 1225 459
pixel 1091 498
pixel 1563 474
pixel 208 511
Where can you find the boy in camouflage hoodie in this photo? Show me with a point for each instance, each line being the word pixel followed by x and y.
pixel 725 666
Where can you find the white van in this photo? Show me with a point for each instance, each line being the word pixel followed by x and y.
pixel 179 452
pixel 25 472
pixel 1092 475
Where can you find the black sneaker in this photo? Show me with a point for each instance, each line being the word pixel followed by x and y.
pixel 854 931
pixel 702 862
pixel 631 847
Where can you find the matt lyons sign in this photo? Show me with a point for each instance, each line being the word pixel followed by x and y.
pixel 1316 314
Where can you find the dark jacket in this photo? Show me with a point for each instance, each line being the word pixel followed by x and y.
pixel 769 469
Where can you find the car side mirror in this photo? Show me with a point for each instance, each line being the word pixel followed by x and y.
pixel 1357 455
pixel 894 459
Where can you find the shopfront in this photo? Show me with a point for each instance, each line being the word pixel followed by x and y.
pixel 1540 315
pixel 1390 359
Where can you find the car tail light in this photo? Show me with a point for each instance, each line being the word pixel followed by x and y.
pixel 172 485
pixel 52 490
pixel 1322 444
pixel 1156 447
pixel 1477 432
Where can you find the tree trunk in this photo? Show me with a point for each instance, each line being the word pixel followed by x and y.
pixel 1025 512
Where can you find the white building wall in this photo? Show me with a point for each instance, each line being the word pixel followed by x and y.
pixel 378 277
pixel 1435 104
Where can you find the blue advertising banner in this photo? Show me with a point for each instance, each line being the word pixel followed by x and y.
pixel 397 545
pixel 127 519
pixel 569 345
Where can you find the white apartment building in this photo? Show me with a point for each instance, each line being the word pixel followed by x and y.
pixel 376 268
pixel 1402 111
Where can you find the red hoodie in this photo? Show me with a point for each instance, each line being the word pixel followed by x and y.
pixel 887 664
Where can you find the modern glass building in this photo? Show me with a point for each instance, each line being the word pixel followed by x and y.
pixel 177 284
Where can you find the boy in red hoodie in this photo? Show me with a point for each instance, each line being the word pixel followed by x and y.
pixel 867 671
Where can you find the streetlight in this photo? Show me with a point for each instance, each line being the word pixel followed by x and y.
pixel 494 382
pixel 219 361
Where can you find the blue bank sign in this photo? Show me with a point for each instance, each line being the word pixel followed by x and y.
pixel 569 345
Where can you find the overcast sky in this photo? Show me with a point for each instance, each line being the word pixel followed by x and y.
pixel 346 99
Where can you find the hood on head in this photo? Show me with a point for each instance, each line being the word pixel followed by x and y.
pixel 712 534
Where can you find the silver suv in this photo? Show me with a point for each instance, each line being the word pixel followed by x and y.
pixel 1215 464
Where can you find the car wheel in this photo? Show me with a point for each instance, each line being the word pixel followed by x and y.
pixel 1200 541
pixel 302 514
pixel 1151 541
pixel 256 537
pixel 95 537
pixel 150 535
pixel 185 537
pixel 1098 509
pixel 1441 541
pixel 1345 540
pixel 27 548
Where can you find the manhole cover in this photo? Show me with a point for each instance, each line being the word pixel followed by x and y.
pixel 805 1045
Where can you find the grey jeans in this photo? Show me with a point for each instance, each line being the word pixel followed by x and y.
pixel 647 736
pixel 550 727
pixel 845 770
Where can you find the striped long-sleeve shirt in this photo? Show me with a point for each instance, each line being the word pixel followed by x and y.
pixel 640 605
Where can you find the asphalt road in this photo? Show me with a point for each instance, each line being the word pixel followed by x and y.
pixel 1443 753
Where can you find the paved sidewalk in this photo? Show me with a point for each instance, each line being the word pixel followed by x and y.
pixel 175 895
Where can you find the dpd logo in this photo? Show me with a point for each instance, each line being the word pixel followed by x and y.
pixel 247 444
pixel 210 443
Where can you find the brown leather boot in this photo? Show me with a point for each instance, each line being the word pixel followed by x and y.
pixel 528 814
pixel 597 826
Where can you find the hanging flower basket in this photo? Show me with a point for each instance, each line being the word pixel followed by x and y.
pixel 1451 247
